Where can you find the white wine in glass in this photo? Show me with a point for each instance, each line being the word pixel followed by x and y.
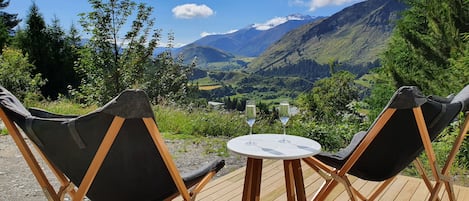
pixel 284 115
pixel 250 116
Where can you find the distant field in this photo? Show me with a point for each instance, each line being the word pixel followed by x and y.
pixel 209 87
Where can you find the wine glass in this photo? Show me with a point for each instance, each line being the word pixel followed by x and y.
pixel 250 116
pixel 284 115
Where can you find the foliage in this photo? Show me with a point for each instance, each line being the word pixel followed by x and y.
pixel 429 49
pixel 426 39
pixel 330 97
pixel 199 121
pixel 4 35
pixel 113 60
pixel 7 23
pixel 9 20
pixel 329 113
pixel 168 79
pixel 462 62
pixel 331 136
pixel 51 51
pixel 16 75
pixel 32 41
pixel 381 90
pixel 63 105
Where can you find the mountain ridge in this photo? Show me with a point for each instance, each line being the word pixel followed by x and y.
pixel 356 35
pixel 250 41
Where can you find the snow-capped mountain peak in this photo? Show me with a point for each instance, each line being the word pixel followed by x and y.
pixel 278 21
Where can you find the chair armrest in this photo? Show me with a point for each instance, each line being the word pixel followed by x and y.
pixel 195 176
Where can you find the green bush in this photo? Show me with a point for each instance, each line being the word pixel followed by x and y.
pixel 16 75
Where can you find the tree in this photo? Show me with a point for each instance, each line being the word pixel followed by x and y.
pixel 426 39
pixel 50 51
pixel 168 78
pixel 4 35
pixel 461 64
pixel 17 75
pixel 32 41
pixel 113 59
pixel 61 56
pixel 330 97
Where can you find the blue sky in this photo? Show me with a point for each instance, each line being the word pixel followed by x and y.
pixel 190 20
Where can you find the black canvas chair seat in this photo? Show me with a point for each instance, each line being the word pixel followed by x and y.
pixel 398 143
pixel 398 137
pixel 134 168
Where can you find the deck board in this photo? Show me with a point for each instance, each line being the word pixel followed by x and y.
pixel 230 186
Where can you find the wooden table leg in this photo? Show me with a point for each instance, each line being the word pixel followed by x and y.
pixel 252 180
pixel 294 180
pixel 289 179
pixel 299 183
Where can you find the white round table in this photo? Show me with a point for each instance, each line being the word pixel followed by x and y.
pixel 269 146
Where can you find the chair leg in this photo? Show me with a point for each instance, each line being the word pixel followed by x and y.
pixel 419 166
pixel 332 179
pixel 325 189
pixel 381 188
pixel 30 158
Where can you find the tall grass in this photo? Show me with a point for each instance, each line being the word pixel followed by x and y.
pixel 63 106
pixel 199 121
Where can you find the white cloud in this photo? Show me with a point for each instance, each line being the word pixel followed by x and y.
pixel 315 4
pixel 203 34
pixel 271 23
pixel 189 11
pixel 275 22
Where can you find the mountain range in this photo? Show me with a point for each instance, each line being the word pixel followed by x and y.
pixel 287 59
pixel 354 36
pixel 253 40
pixel 247 42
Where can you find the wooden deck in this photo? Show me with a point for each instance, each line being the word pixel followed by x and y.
pixel 230 186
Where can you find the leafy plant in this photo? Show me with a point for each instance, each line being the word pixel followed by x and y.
pixel 16 75
pixel 3 131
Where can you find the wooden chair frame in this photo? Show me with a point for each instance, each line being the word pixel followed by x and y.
pixel 78 193
pixel 335 176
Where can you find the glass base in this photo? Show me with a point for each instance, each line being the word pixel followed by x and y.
pixel 250 142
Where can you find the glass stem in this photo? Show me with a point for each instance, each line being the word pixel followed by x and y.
pixel 284 132
pixel 250 130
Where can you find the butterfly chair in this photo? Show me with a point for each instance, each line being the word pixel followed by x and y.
pixel 113 153
pixel 404 129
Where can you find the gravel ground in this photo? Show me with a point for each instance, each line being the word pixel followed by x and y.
pixel 17 183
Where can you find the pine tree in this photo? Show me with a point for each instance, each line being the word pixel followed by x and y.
pixel 32 42
pixel 50 51
pixel 61 57
pixel 7 23
pixel 426 39
pixel 9 20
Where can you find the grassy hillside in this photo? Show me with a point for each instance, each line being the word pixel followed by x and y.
pixel 356 36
